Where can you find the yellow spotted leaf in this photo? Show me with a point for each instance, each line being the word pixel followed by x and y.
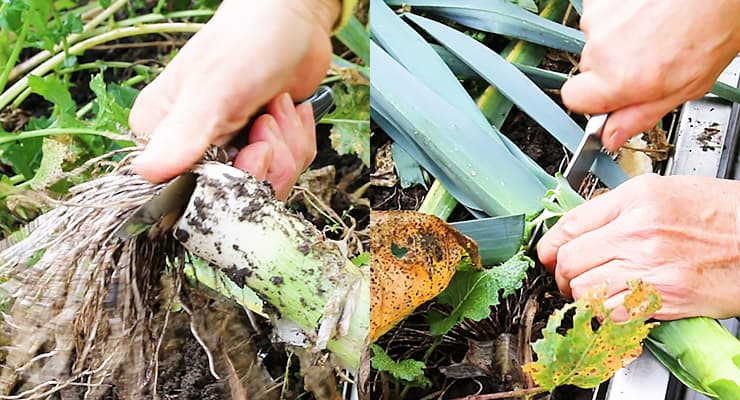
pixel 413 258
pixel 586 357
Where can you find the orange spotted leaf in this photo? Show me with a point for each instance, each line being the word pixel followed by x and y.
pixel 584 357
pixel 413 258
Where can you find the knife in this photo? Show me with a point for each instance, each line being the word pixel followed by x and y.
pixel 579 166
pixel 165 208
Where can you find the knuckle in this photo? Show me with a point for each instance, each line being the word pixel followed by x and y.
pixel 565 262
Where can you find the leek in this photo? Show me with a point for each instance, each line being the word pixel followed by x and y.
pixel 701 353
pixel 320 300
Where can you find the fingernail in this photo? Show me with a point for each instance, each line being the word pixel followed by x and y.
pixel 609 141
pixel 285 103
pixel 273 126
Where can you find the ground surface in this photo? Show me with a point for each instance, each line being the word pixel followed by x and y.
pixel 453 374
pixel 184 369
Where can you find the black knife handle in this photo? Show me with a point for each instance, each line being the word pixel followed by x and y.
pixel 321 100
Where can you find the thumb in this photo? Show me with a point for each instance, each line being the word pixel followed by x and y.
pixel 180 140
pixel 590 93
pixel 632 120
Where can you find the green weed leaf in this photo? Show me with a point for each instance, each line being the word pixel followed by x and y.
pixel 12 16
pixel 23 156
pixel 109 113
pixel 351 119
pixel 584 357
pixel 472 293
pixel 52 89
pixel 407 370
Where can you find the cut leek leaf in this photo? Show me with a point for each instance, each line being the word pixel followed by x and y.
pixel 409 171
pixel 503 18
pixel 498 238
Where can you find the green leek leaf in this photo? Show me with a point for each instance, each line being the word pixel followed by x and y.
pixel 356 38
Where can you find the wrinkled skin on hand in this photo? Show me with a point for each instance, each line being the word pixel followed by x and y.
pixel 679 233
pixel 249 53
pixel 644 58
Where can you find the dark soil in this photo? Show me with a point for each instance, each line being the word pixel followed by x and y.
pixel 184 370
pixel 410 339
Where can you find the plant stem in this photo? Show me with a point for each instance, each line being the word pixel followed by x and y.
pixel 506 395
pixel 19 42
pixel 149 18
pixel 105 64
pixel 72 39
pixel 438 201
pixel 61 131
pixel 80 47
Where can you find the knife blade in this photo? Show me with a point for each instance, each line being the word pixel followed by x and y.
pixel 165 208
pixel 580 165
pixel 586 153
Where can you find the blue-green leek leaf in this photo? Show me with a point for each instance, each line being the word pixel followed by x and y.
pixel 519 89
pixel 498 238
pixel 503 18
pixel 578 5
pixel 409 171
pixel 494 179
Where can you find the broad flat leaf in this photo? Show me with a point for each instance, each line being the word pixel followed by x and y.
pixel 350 133
pixel 578 5
pixel 410 50
pixel 407 370
pixel 413 258
pixel 584 357
pixel 472 293
pixel 52 89
pixel 50 169
pixel 362 259
pixel 23 156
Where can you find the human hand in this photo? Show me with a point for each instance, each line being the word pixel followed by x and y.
pixel 677 233
pixel 282 143
pixel 644 58
pixel 248 53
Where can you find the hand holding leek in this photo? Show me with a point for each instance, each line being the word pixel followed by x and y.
pixel 644 58
pixel 680 234
pixel 246 55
